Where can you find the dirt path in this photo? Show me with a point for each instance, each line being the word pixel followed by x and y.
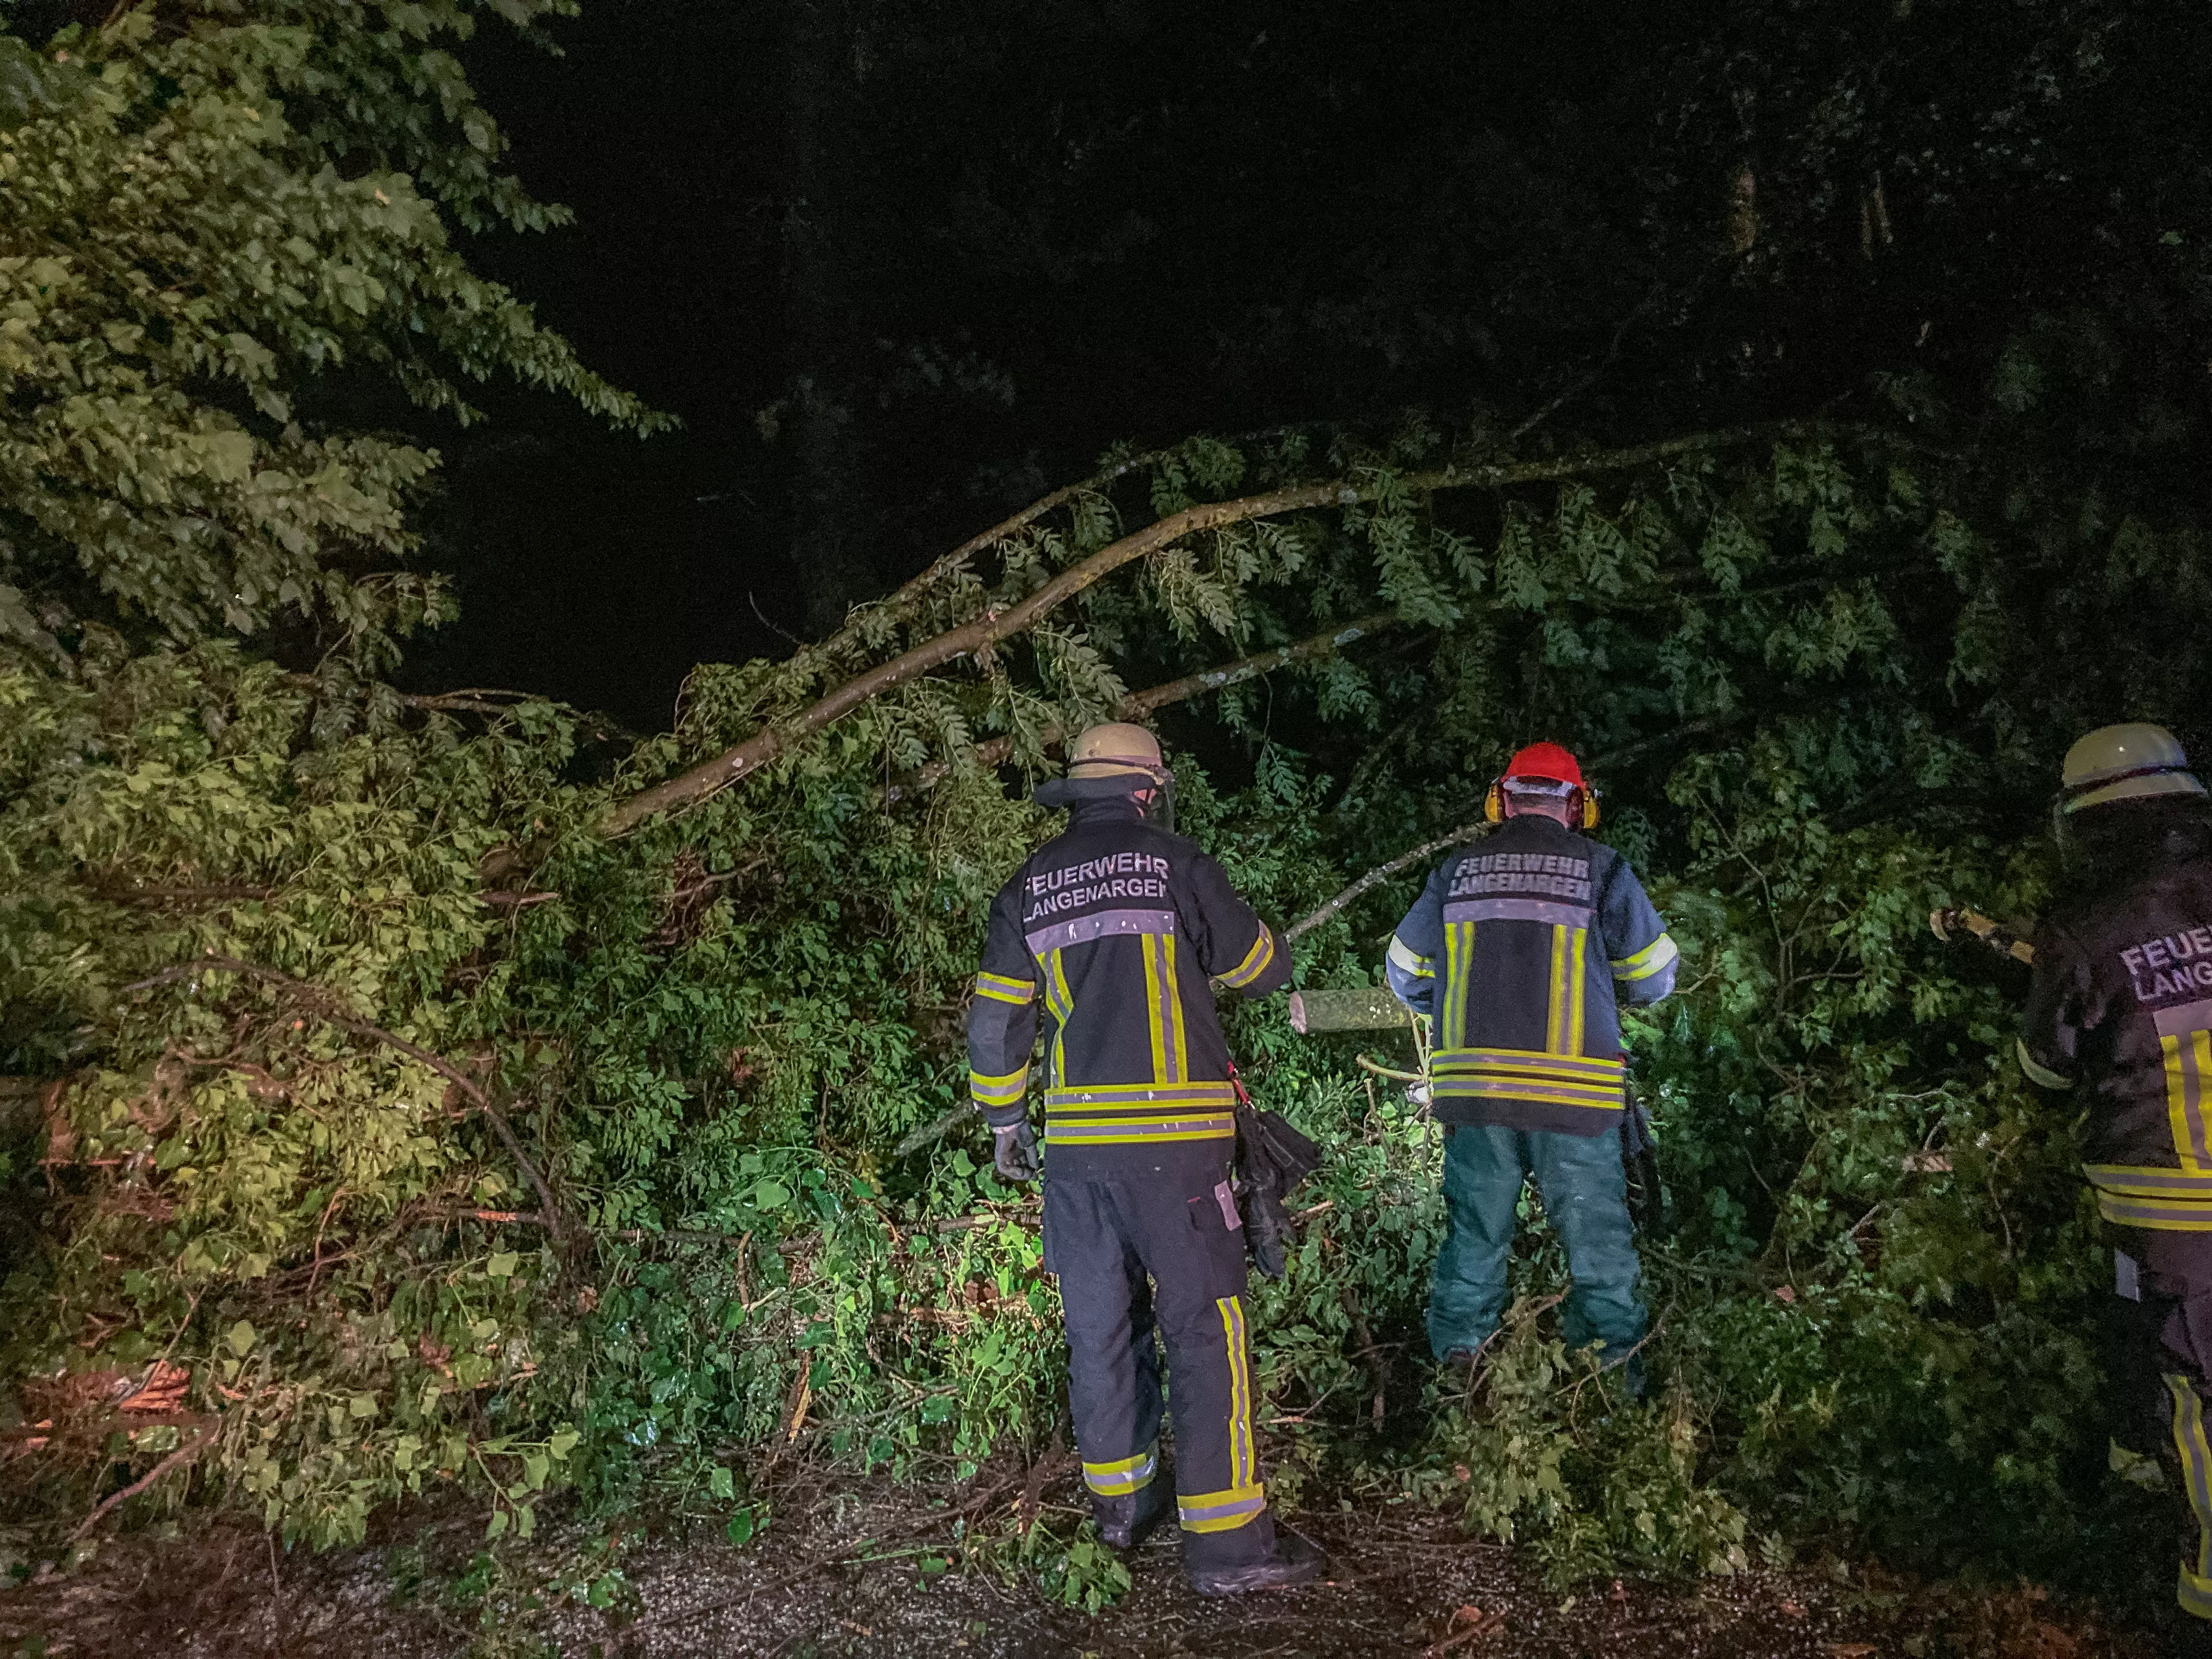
pixel 1400 1583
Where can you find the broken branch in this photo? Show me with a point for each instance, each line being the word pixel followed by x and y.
pixel 994 627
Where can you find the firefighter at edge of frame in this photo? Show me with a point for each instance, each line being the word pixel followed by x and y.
pixel 2119 1013
pixel 1527 1072
pixel 1115 927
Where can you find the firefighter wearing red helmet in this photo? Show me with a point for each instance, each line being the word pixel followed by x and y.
pixel 1520 950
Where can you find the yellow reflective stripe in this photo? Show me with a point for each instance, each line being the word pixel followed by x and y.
pixel 1003 1091
pixel 1155 1027
pixel 1524 1087
pixel 2158 1215
pixel 1137 1120
pixel 2189 1439
pixel 1408 962
pixel 1256 961
pixel 1576 966
pixel 2046 1078
pixel 1104 1094
pixel 1124 1476
pixel 998 986
pixel 2150 1181
pixel 1220 1511
pixel 1241 1458
pixel 1061 1001
pixel 2193 1097
pixel 2186 1069
pixel 1118 1132
pixel 1647 961
pixel 1459 958
pixel 1585 1068
pixel 1555 1023
pixel 1171 1008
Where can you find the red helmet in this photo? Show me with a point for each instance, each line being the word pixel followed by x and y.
pixel 1547 761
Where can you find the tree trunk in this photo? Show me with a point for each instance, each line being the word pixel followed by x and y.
pixel 833 543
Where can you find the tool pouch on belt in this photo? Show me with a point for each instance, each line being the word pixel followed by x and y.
pixel 1272 1158
pixel 1639 1159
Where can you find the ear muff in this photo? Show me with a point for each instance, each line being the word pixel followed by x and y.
pixel 1493 803
pixel 1589 808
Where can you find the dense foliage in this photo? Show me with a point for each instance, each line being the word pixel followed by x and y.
pixel 380 1124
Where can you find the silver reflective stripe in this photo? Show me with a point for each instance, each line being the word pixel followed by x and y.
pixel 1174 1094
pixel 1595 1068
pixel 1190 1512
pixel 1204 1128
pixel 1565 1094
pixel 2149 1183
pixel 1547 911
pixel 1101 924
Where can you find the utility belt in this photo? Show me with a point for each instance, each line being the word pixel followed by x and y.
pixel 2161 1199
pixel 1130 1113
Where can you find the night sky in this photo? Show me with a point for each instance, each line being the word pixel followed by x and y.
pixel 1078 224
pixel 900 270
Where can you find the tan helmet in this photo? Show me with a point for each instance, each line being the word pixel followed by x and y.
pixel 2125 762
pixel 1116 751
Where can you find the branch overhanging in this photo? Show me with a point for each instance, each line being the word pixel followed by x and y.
pixel 995 626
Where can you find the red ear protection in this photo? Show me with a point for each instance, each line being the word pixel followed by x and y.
pixel 1582 804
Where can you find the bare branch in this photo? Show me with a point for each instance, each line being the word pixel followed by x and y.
pixel 184 1453
pixel 908 599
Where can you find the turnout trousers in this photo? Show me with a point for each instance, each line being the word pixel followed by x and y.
pixel 1153 1249
pixel 1585 1194
pixel 2163 1374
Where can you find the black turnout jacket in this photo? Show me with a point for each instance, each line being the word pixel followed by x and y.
pixel 1114 929
pixel 2120 1011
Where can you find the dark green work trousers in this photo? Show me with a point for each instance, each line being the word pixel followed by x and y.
pixel 1585 1194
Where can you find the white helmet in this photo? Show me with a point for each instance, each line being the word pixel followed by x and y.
pixel 1114 750
pixel 2125 762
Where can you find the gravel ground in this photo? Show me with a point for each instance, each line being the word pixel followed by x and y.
pixel 1402 1583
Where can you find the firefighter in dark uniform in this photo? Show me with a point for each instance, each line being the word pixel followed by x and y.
pixel 2120 1014
pixel 1114 928
pixel 1519 951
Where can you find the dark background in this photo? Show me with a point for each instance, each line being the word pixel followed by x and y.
pixel 900 267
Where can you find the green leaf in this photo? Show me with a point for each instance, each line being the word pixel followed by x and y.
pixel 502 1266
pixel 240 1338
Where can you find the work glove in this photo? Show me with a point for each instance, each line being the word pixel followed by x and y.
pixel 1014 1152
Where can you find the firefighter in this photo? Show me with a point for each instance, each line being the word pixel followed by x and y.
pixel 1114 928
pixel 2120 1013
pixel 1518 951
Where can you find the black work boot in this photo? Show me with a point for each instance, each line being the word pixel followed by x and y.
pixel 1127 1521
pixel 1252 1557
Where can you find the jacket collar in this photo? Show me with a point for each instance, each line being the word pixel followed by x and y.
pixel 1093 800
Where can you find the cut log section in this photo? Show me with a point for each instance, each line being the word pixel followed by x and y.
pixel 1370 1008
